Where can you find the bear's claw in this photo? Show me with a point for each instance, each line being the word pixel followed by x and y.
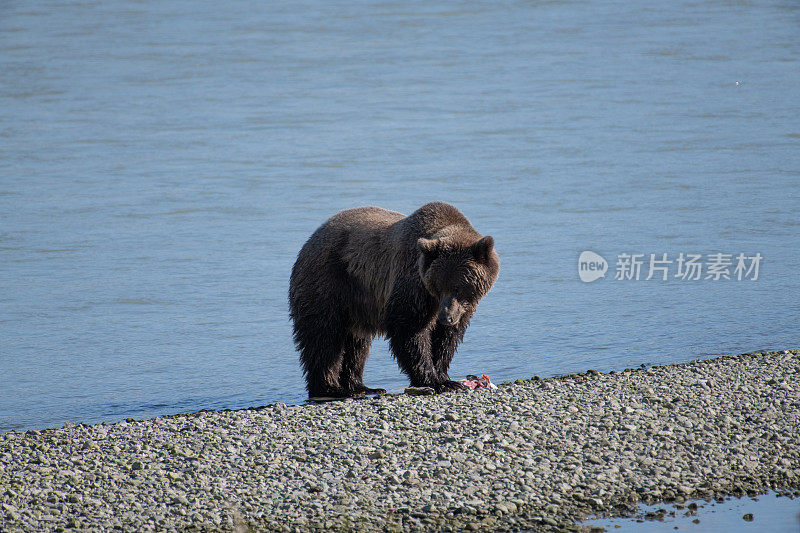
pixel 449 386
pixel 367 390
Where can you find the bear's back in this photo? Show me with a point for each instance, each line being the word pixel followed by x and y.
pixel 438 220
pixel 364 219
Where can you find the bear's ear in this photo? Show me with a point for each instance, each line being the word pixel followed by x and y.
pixel 482 249
pixel 428 250
pixel 427 246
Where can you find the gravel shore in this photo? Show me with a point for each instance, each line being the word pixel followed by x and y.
pixel 531 455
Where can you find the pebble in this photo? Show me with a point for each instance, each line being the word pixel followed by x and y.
pixel 537 454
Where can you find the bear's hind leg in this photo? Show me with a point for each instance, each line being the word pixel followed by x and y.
pixel 354 357
pixel 321 359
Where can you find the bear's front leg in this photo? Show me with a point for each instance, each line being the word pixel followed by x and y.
pixel 409 323
pixel 413 354
pixel 444 342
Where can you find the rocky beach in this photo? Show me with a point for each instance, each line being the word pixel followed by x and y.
pixel 536 454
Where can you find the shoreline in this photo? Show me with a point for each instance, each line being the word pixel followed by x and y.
pixel 534 454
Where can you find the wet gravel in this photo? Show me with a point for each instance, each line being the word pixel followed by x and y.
pixel 532 455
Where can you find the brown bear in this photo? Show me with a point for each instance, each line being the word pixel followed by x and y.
pixel 415 279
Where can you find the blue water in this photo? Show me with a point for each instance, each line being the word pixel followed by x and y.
pixel 161 164
pixel 769 513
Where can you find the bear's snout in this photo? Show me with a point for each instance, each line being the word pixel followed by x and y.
pixel 450 311
pixel 447 320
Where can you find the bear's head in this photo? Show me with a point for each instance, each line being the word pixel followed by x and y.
pixel 457 273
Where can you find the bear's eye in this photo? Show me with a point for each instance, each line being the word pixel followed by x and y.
pixel 467 296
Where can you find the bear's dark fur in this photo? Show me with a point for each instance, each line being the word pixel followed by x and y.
pixel 415 279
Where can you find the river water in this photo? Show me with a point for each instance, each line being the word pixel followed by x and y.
pixel 161 164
